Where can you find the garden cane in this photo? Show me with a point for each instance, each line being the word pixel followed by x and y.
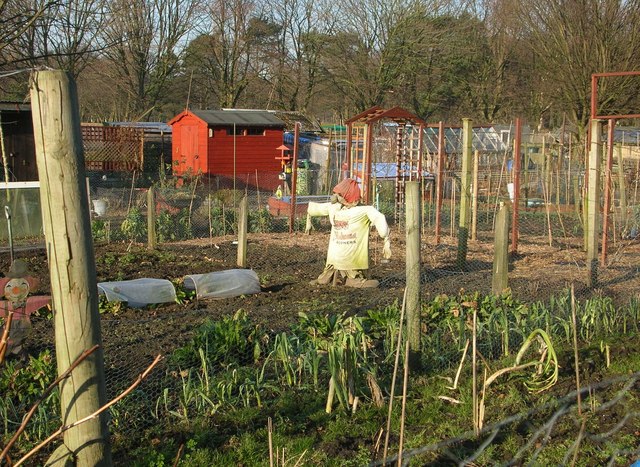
pixel 7 213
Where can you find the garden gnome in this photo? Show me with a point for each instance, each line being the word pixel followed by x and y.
pixel 15 288
pixel 348 253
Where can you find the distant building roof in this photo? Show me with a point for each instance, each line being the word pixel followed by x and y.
pixel 246 118
pixel 14 106
pixel 386 170
pixel 303 138
pixel 627 135
pixel 148 127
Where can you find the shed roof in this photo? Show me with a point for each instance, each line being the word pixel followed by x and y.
pixel 246 118
pixel 396 114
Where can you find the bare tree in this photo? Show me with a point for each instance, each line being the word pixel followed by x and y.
pixel 500 77
pixel 364 56
pixel 16 17
pixel 63 37
pixel 220 58
pixel 293 63
pixel 388 51
pixel 147 40
pixel 572 39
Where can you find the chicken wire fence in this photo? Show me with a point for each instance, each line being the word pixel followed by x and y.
pixel 207 206
pixel 188 385
pixel 199 375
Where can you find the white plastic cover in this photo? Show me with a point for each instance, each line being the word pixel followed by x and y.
pixel 223 284
pixel 139 292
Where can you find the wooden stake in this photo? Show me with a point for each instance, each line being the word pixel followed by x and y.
pixel 405 385
pixel 474 375
pixel 623 190
pixel 500 277
pixel 593 204
pixel 270 432
pixel 576 358
pixel 465 193
pixel 242 232
pixel 151 219
pixel 393 379
pixel 413 262
pixel 474 197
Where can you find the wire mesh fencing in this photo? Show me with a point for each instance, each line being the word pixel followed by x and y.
pixel 220 360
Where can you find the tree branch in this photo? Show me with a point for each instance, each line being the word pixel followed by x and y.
pixel 44 395
pixel 64 428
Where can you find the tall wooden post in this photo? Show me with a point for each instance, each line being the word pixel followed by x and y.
pixel 623 189
pixel 474 198
pixel 151 219
pixel 294 177
pixel 465 192
pixel 412 227
pixel 67 230
pixel 593 202
pixel 607 192
pixel 243 220
pixel 515 229
pixel 439 181
pixel 500 279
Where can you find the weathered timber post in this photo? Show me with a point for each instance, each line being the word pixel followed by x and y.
pixel 474 200
pixel 243 214
pixel 623 189
pixel 294 176
pixel 151 219
pixel 465 192
pixel 412 227
pixel 67 228
pixel 593 202
pixel 500 278
pixel 515 229
pixel 607 192
pixel 439 181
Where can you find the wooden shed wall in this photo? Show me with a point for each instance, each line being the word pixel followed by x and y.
pixel 19 146
pixel 252 152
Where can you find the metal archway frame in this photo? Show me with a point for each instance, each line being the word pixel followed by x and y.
pixel 368 118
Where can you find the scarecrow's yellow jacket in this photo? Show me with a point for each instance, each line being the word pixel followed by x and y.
pixel 349 241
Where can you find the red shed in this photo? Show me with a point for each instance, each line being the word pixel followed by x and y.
pixel 228 143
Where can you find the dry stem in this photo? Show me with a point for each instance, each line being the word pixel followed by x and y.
pixel 44 395
pixel 4 342
pixel 64 428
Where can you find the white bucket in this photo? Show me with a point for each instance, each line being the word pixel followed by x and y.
pixel 99 207
pixel 511 190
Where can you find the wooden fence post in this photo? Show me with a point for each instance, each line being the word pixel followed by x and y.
pixel 243 215
pixel 67 228
pixel 412 227
pixel 593 202
pixel 500 277
pixel 623 189
pixel 439 181
pixel 151 219
pixel 474 198
pixel 465 192
pixel 515 229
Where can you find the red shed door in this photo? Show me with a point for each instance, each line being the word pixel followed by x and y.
pixel 190 152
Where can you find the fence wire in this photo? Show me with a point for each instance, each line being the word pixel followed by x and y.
pixel 212 363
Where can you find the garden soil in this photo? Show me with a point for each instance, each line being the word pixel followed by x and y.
pixel 286 263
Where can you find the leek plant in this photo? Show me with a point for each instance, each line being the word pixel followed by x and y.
pixel 545 367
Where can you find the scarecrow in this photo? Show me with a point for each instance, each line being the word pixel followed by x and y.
pixel 348 253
